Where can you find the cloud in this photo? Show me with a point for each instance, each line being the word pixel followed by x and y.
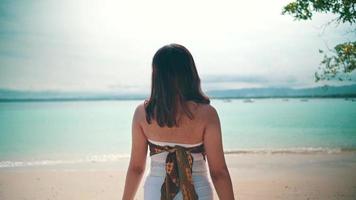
pixel 108 45
pixel 228 81
pixel 234 78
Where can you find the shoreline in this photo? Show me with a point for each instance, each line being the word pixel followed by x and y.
pixel 254 176
pixel 112 158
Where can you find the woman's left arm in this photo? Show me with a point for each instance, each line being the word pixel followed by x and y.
pixel 137 164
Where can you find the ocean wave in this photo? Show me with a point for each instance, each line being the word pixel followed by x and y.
pixel 47 162
pixel 116 157
pixel 299 150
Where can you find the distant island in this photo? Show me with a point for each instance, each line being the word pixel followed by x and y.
pixel 346 91
pixel 275 92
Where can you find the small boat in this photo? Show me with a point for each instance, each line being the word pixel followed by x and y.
pixel 350 99
pixel 248 101
pixel 304 100
pixel 227 100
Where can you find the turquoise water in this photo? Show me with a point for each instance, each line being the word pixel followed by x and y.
pixel 100 130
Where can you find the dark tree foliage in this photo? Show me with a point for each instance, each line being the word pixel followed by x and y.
pixel 339 62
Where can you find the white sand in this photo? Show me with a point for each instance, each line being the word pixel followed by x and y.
pixel 279 176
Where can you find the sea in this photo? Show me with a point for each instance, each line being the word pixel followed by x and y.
pixel 50 133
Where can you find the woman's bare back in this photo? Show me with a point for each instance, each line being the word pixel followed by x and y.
pixel 190 131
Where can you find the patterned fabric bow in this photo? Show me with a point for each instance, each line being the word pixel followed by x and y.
pixel 179 164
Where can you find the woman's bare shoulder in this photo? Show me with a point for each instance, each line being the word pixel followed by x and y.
pixel 140 113
pixel 207 111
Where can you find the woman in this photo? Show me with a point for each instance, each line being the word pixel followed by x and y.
pixel 182 131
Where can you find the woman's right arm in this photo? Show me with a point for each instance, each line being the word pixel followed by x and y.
pixel 214 150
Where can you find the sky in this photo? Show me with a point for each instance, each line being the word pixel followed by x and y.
pixel 108 45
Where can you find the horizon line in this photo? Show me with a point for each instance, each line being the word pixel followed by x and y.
pixel 131 92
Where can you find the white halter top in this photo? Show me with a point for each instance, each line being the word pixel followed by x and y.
pixel 157 173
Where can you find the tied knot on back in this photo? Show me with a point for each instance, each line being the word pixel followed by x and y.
pixel 178 166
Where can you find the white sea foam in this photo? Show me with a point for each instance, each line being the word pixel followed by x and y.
pixel 298 150
pixel 48 162
pixel 106 158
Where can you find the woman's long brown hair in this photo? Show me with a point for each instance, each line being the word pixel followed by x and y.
pixel 175 80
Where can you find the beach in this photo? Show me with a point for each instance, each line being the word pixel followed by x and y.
pixel 274 149
pixel 279 78
pixel 255 176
